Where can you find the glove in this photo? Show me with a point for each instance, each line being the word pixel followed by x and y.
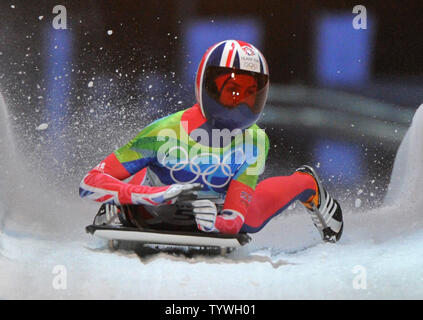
pixel 205 213
pixel 178 189
pixel 169 196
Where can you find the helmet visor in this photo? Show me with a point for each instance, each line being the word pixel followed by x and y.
pixel 232 87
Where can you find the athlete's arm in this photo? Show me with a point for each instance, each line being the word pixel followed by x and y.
pixel 241 189
pixel 104 182
pixel 232 216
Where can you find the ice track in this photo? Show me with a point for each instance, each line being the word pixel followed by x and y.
pixel 284 261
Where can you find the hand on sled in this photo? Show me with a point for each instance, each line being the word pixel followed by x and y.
pixel 205 213
pixel 177 190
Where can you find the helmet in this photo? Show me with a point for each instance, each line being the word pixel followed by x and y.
pixel 231 84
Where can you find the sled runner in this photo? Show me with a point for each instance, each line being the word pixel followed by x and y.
pixel 166 225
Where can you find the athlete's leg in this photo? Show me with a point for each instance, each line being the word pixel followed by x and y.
pixel 274 195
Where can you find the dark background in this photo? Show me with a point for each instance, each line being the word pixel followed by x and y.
pixel 144 32
pixel 138 70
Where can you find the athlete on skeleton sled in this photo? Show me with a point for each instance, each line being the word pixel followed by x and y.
pixel 214 146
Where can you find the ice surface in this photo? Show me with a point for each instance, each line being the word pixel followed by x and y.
pixel 42 228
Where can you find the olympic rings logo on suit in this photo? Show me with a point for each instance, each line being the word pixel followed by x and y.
pixel 194 165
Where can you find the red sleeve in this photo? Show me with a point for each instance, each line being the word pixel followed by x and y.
pixel 237 200
pixel 103 184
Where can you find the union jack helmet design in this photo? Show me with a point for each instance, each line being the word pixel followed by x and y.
pixel 231 84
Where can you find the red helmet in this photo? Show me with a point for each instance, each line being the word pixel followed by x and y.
pixel 231 85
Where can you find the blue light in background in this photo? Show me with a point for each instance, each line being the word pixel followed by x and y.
pixel 340 162
pixel 199 35
pixel 342 53
pixel 58 80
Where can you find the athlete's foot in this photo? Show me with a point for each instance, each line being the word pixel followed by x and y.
pixel 325 211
